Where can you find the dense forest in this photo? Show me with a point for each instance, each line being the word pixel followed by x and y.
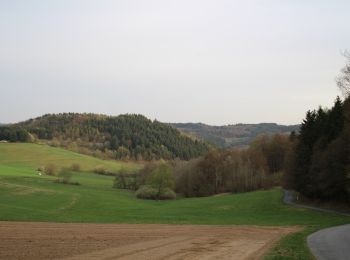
pixel 319 165
pixel 120 137
pixel 232 136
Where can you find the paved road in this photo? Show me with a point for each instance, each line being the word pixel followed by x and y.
pixel 289 199
pixel 331 243
pixel 327 244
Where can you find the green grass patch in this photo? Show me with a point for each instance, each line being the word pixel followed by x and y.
pixel 35 155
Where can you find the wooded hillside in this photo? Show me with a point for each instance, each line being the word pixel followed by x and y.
pixel 239 135
pixel 124 136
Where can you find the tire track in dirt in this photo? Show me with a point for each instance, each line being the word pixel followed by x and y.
pixel 70 204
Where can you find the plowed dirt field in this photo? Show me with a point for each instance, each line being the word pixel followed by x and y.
pixel 19 240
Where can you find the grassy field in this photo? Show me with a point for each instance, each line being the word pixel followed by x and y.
pixel 32 156
pixel 26 196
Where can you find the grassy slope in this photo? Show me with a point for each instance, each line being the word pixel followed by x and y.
pixel 31 156
pixel 25 196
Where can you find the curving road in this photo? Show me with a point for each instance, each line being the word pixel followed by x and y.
pixel 331 243
pixel 289 199
pixel 326 244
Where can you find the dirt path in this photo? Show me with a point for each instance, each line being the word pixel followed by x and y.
pixel 23 240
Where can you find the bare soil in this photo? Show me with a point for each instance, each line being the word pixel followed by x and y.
pixel 33 240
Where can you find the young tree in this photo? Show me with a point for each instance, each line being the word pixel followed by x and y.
pixel 161 179
pixel 122 153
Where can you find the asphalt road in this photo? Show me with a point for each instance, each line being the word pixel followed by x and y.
pixel 289 199
pixel 331 243
pixel 326 244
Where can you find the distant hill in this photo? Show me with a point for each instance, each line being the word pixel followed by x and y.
pixel 134 136
pixel 119 137
pixel 239 135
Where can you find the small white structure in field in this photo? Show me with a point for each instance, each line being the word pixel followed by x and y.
pixel 3 141
pixel 39 173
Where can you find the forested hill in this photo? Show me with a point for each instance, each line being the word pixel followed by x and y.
pixel 124 136
pixel 238 135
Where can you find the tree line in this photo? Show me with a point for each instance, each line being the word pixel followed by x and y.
pixel 13 134
pixel 318 167
pixel 258 167
pixel 219 171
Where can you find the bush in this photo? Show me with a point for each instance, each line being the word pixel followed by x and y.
pixel 75 167
pixel 168 194
pixel 125 180
pixel 50 169
pixel 100 170
pixel 41 169
pixel 64 176
pixel 148 192
pixel 159 180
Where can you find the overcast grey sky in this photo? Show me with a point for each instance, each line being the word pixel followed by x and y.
pixel 213 61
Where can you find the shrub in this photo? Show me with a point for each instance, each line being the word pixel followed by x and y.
pixel 64 176
pixel 168 194
pixel 100 170
pixel 75 167
pixel 41 169
pixel 125 180
pixel 50 169
pixel 148 192
pixel 159 180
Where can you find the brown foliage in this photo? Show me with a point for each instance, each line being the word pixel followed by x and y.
pixel 75 167
pixel 258 167
pixel 50 169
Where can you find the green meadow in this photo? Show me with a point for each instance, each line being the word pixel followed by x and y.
pixel 32 156
pixel 27 196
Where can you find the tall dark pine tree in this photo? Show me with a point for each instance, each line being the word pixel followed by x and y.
pixel 336 120
pixel 322 154
pixel 306 140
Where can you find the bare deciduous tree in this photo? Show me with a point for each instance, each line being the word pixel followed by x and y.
pixel 343 80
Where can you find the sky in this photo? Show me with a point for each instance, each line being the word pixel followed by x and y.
pixel 213 61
